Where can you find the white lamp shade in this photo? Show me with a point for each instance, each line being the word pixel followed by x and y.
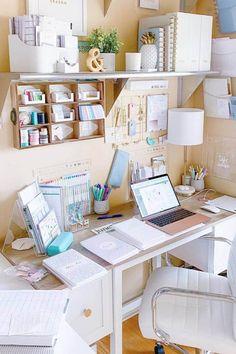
pixel 185 126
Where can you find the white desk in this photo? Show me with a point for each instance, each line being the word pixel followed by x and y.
pixel 106 294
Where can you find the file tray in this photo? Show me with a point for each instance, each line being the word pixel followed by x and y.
pixel 27 58
pixel 60 244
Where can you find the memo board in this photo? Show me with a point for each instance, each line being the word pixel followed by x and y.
pixel 74 11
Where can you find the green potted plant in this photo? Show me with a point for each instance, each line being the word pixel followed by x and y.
pixel 108 43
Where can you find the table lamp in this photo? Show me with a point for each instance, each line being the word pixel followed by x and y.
pixel 185 127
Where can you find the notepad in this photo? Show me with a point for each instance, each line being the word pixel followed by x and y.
pixel 110 248
pixel 73 268
pixel 30 317
pixel 139 234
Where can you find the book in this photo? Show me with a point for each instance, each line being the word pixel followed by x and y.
pixel 31 318
pixel 73 268
pixel 110 248
pixel 139 234
pixel 35 211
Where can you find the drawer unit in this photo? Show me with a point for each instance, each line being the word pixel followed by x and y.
pixel 90 309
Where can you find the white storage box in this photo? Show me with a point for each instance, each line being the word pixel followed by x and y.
pixel 67 69
pixel 89 95
pixel 26 58
pixel 62 97
pixel 25 100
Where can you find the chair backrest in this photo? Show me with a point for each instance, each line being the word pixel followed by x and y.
pixel 231 269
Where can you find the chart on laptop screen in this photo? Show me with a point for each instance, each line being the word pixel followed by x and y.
pixel 154 195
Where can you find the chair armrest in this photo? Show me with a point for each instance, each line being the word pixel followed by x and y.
pixel 164 337
pixel 216 238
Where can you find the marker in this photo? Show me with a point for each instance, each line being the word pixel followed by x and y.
pixel 109 216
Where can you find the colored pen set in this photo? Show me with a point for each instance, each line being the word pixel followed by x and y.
pixel 101 193
pixel 197 172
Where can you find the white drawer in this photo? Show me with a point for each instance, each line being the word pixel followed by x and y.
pixel 90 309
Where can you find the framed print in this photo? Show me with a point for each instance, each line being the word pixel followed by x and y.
pixel 149 4
pixel 74 11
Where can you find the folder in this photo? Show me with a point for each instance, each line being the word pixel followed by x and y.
pixel 118 168
pixel 217 94
pixel 226 15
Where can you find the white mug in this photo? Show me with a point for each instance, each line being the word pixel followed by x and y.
pixel 132 61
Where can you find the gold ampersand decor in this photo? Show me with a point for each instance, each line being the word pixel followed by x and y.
pixel 94 62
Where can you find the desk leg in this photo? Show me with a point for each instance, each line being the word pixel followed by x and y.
pixel 116 336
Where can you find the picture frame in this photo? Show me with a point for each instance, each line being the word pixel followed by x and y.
pixel 150 4
pixel 74 11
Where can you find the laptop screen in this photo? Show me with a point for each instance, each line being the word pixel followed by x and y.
pixel 154 195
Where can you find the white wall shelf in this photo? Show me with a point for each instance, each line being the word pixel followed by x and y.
pixel 120 78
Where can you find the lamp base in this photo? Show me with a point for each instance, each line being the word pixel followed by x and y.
pixel 185 191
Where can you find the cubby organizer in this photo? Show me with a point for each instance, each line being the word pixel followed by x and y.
pixel 59 112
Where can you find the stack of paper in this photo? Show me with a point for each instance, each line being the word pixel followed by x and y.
pixel 73 268
pixel 110 248
pixel 139 234
pixel 30 317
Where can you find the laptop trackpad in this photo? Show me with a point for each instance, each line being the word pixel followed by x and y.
pixel 185 224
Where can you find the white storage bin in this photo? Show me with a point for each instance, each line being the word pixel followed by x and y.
pixel 25 100
pixel 224 56
pixel 57 119
pixel 26 58
pixel 89 95
pixel 56 97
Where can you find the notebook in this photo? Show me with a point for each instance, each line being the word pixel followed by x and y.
pixel 160 207
pixel 139 234
pixel 110 248
pixel 30 317
pixel 73 268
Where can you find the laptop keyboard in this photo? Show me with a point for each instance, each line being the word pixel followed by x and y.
pixel 171 217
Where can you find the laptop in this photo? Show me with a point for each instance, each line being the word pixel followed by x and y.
pixel 160 207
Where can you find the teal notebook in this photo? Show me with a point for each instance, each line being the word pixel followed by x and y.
pixel 118 168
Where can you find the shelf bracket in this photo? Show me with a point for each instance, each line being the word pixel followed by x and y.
pixel 117 87
pixel 187 86
pixel 107 4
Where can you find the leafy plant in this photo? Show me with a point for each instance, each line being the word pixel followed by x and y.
pixel 106 42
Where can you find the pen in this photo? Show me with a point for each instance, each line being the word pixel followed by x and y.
pixel 109 216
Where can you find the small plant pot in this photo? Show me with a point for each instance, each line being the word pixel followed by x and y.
pixel 109 61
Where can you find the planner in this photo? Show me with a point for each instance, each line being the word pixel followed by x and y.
pixel 73 268
pixel 110 248
pixel 30 317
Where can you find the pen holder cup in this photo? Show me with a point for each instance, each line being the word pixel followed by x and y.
pixel 198 184
pixel 101 206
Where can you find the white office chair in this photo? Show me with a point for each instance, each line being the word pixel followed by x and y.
pixel 191 308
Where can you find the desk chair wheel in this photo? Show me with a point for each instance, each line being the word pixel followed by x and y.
pixel 159 349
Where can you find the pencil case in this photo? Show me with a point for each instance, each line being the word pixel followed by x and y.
pixel 60 244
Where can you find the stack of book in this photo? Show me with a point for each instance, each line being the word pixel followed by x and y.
pixel 31 318
pixel 183 40
pixel 41 222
